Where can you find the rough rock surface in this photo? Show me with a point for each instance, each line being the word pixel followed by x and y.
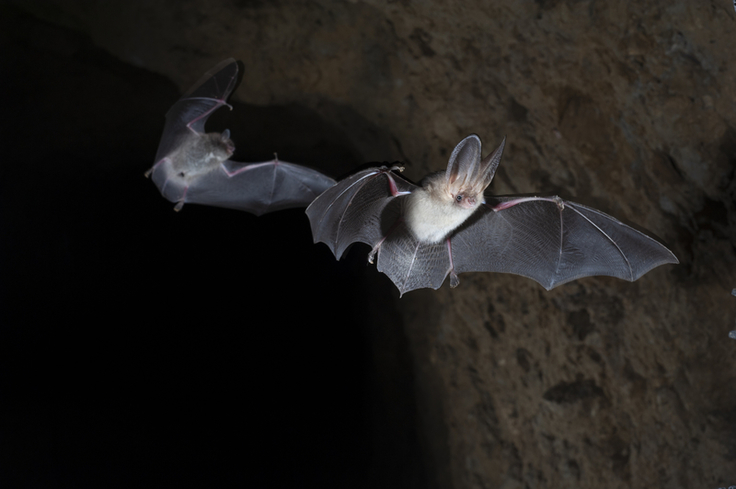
pixel 627 107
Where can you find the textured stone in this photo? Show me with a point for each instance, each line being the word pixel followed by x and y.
pixel 628 107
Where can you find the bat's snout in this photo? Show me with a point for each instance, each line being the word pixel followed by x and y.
pixel 468 202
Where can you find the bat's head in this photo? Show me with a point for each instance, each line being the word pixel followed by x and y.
pixel 217 146
pixel 227 144
pixel 467 176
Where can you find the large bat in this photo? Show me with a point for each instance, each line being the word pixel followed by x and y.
pixel 195 167
pixel 444 227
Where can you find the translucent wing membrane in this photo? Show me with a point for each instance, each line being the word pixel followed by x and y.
pixel 357 209
pixel 553 242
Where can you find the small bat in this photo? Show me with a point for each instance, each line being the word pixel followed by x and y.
pixel 195 167
pixel 446 226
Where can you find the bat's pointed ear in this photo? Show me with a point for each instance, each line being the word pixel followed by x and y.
pixel 225 134
pixel 464 162
pixel 489 165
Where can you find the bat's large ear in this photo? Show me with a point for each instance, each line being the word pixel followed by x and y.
pixel 490 164
pixel 464 163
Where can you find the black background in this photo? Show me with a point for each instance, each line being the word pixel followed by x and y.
pixel 142 347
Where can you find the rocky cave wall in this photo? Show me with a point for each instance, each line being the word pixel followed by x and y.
pixel 626 107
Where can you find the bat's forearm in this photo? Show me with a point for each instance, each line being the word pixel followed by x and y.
pixel 510 203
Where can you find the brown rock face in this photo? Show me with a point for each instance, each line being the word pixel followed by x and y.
pixel 629 107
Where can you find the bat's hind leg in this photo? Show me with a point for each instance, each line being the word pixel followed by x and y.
pixel 454 281
pixel 180 204
pixel 372 254
pixel 377 246
pixel 180 201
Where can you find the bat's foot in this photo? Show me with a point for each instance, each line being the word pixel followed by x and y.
pixel 375 249
pixel 454 281
pixel 179 206
pixel 372 254
pixel 148 173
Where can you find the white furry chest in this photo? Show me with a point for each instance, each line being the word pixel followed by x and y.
pixel 431 219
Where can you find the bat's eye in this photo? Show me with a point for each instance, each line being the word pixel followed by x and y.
pixel 459 198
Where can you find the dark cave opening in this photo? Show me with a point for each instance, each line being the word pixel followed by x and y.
pixel 140 346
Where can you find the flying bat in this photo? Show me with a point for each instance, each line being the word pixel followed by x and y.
pixel 445 226
pixel 193 166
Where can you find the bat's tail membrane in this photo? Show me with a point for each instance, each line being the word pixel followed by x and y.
pixel 413 265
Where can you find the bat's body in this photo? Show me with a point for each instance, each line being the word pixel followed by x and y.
pixel 447 199
pixel 193 166
pixel 201 153
pixel 446 227
pixel 430 215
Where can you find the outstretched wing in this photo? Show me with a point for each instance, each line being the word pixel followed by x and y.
pixel 363 208
pixel 546 239
pixel 191 111
pixel 367 208
pixel 553 242
pixel 187 170
pixel 258 187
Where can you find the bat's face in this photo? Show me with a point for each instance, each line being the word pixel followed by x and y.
pixel 466 198
pixel 467 176
pixel 216 148
pixel 466 191
pixel 227 145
